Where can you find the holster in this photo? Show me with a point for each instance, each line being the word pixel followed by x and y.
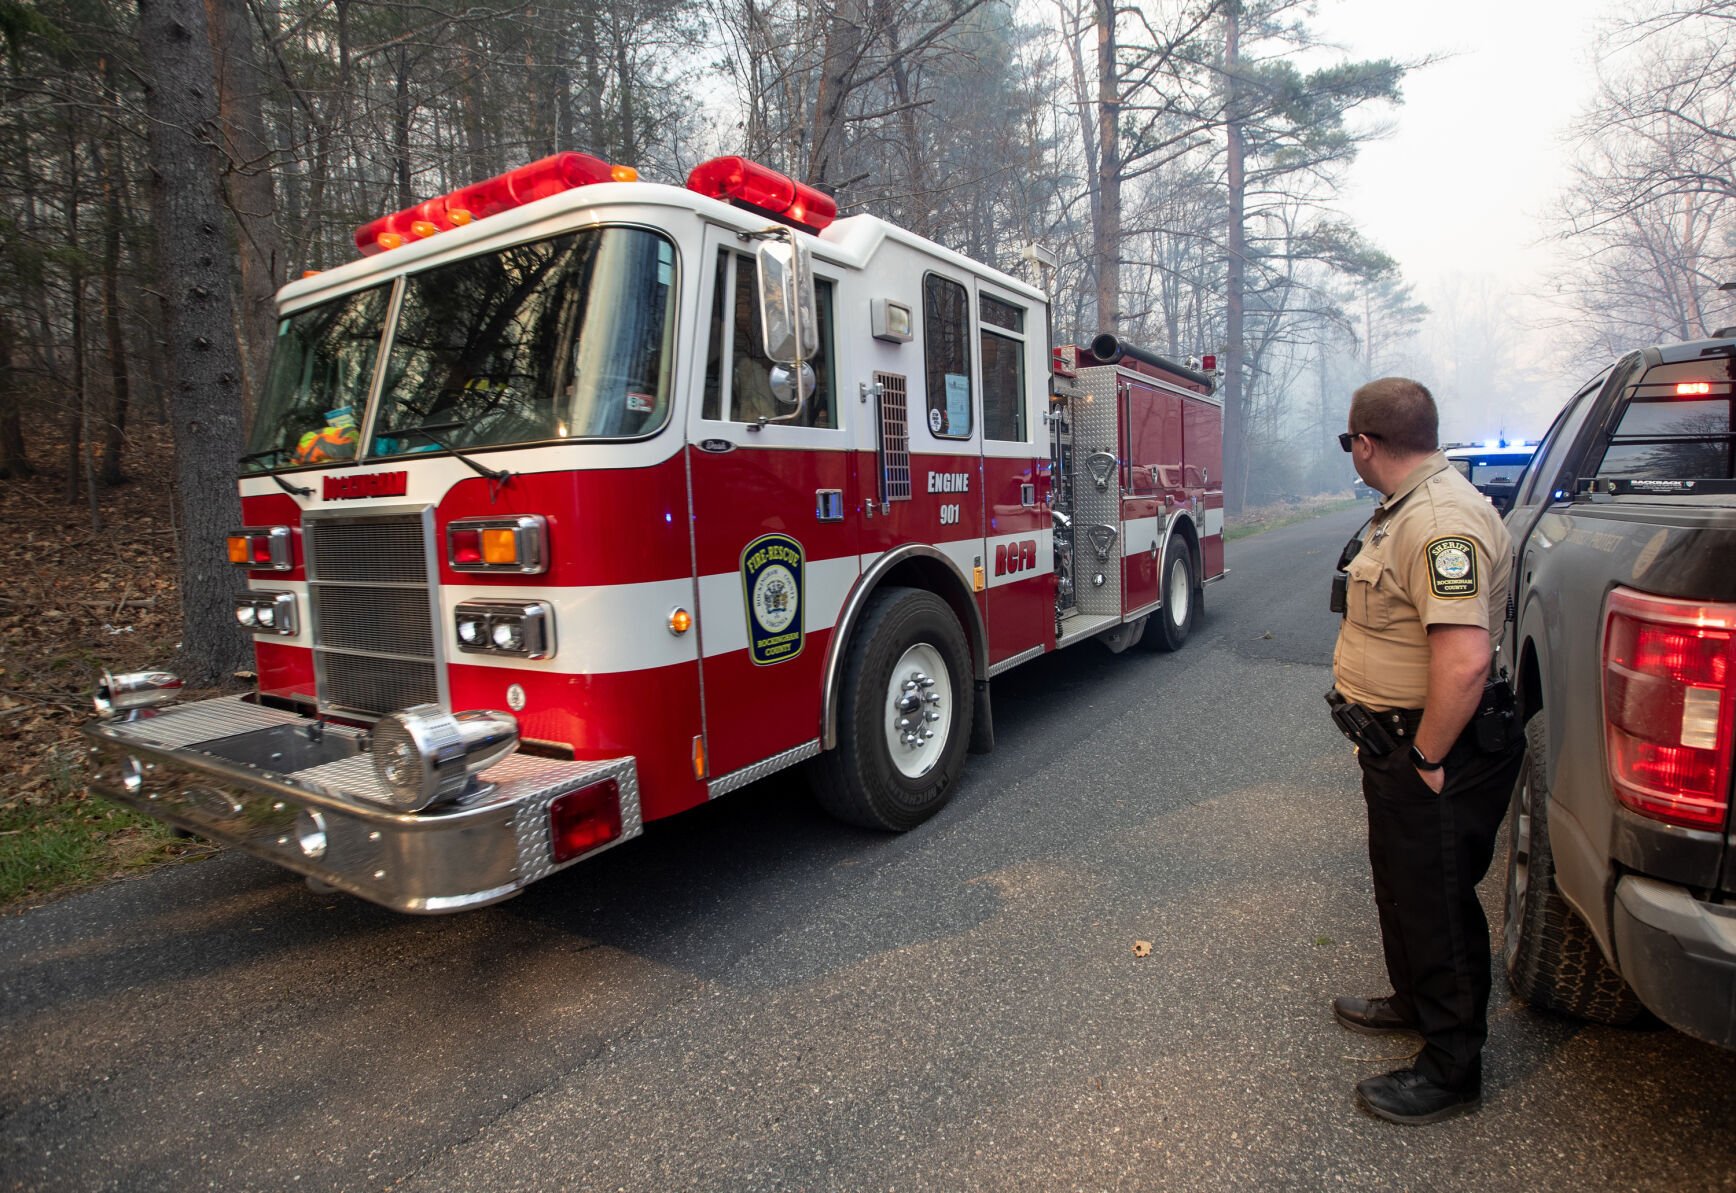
pixel 1495 724
pixel 1360 725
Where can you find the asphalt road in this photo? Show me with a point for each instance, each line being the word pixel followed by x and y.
pixel 752 997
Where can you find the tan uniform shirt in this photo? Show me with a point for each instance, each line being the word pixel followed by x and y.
pixel 1436 553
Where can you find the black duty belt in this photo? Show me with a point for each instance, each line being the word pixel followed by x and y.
pixel 1379 733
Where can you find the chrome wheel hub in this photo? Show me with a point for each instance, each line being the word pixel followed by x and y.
pixel 1179 598
pixel 918 710
pixel 1518 873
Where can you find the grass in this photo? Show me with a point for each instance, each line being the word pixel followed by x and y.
pixel 73 839
pixel 1271 517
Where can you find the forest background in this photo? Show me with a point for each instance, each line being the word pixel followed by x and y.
pixel 165 165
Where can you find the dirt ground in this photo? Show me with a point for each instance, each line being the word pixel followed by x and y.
pixel 76 598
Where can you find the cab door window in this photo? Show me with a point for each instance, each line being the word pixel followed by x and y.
pixel 1003 348
pixel 946 353
pixel 737 370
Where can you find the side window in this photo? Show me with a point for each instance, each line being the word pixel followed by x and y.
pixel 738 383
pixel 946 351
pixel 1003 346
pixel 1552 452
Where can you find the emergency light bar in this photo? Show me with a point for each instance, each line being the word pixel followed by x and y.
pixel 760 188
pixel 539 180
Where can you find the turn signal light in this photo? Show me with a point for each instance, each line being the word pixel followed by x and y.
pixel 514 544
pixel 265 549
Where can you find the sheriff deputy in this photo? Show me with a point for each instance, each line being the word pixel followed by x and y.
pixel 1423 599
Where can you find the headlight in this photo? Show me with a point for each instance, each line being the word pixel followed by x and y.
pixel 523 629
pixel 118 694
pixel 425 755
pixel 269 612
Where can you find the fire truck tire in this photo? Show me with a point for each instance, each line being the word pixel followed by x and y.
pixel 1174 620
pixel 908 677
pixel 1552 959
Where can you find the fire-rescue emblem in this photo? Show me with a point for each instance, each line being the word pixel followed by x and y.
pixel 771 583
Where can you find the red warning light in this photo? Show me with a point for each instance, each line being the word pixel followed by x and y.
pixel 760 188
pixel 1687 388
pixel 1209 363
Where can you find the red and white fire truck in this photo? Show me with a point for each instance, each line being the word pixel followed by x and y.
pixel 577 501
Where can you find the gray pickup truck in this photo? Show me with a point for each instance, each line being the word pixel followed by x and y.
pixel 1621 645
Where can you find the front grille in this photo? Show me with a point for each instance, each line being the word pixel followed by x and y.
pixel 369 592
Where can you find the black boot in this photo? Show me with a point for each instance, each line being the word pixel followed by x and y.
pixel 1406 1096
pixel 1371 1016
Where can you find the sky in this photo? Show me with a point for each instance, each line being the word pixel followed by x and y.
pixel 1461 190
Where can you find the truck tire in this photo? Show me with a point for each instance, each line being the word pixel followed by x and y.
pixel 1169 627
pixel 908 674
pixel 1552 959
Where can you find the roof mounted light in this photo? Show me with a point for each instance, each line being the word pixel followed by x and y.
pixel 760 188
pixel 539 180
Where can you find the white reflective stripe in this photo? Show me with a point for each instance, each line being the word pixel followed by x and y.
pixel 965 555
pixel 598 630
pixel 1139 534
pixel 303 636
pixel 1042 565
pixel 432 477
pixel 1212 522
pixel 723 608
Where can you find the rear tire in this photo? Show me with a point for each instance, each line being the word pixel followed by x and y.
pixel 1173 622
pixel 908 674
pixel 1552 959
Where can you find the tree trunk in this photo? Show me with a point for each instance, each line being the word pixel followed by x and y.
pixel 1235 398
pixel 248 187
pixel 843 49
pixel 108 159
pixel 1106 228
pixel 205 363
pixel 13 461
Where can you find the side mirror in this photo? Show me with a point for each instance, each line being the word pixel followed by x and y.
pixel 788 324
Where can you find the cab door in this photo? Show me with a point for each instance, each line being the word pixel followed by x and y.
pixel 775 550
pixel 1018 550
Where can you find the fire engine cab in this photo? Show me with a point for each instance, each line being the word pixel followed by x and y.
pixel 577 501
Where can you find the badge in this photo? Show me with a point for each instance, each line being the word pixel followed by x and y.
pixel 1453 568
pixel 771 588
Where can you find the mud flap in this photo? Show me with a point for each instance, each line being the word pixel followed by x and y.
pixel 982 728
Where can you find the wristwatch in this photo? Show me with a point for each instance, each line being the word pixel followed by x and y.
pixel 1422 762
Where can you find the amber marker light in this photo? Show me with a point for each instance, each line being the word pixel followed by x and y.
pixel 389 240
pixel 699 756
pixel 680 622
pixel 238 550
pixel 310 273
pixel 623 174
pixel 424 228
pixel 500 547
pixel 459 216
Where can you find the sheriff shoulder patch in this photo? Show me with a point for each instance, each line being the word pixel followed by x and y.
pixel 1453 568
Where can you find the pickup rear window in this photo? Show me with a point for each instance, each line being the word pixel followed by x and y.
pixel 1676 426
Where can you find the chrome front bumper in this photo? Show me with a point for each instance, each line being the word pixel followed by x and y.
pixel 255 778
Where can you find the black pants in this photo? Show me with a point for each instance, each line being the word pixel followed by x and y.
pixel 1428 853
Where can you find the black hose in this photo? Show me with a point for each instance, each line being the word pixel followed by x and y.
pixel 1108 348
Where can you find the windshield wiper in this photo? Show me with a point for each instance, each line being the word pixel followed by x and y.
pixel 499 476
pixel 292 490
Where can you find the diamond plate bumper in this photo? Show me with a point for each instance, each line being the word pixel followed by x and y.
pixel 255 778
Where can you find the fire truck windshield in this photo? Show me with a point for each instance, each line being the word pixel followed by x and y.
pixel 565 338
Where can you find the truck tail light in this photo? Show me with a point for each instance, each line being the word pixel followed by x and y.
pixel 262 549
pixel 1669 706
pixel 582 820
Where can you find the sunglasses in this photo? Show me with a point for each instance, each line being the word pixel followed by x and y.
pixel 1346 438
